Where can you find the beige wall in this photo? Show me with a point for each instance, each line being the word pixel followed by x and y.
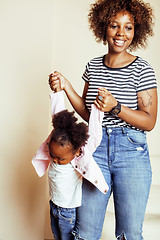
pixel 38 36
pixel 25 60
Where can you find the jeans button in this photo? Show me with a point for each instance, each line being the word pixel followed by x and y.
pixel 109 130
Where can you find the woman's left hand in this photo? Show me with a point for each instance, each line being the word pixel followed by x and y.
pixel 105 100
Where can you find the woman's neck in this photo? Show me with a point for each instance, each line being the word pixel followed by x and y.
pixel 118 60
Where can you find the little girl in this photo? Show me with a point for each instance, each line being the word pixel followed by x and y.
pixel 65 144
pixel 69 146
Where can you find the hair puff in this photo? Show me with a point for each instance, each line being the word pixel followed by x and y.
pixel 68 131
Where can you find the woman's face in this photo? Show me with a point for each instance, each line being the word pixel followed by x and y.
pixel 120 32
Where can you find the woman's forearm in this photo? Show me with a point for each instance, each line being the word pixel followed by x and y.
pixel 137 118
pixel 76 101
pixel 144 118
pixel 58 82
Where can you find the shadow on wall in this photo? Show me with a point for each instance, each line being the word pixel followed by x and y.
pixel 25 192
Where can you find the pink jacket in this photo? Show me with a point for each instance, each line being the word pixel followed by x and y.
pixel 85 164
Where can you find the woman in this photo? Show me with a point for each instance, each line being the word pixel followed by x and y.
pixel 123 86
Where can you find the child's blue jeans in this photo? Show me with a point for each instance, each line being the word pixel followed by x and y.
pixel 124 160
pixel 62 221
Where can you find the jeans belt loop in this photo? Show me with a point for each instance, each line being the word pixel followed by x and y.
pixel 123 130
pixel 106 129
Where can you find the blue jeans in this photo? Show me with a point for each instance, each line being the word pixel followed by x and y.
pixel 62 221
pixel 124 160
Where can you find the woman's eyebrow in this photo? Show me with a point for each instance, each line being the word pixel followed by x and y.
pixel 114 21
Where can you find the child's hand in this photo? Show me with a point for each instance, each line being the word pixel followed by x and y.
pixel 57 81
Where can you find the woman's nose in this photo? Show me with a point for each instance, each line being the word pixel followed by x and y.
pixel 120 32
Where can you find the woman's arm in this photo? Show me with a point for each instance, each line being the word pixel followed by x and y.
pixel 58 82
pixel 144 118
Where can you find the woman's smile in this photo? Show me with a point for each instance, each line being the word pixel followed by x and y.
pixel 119 42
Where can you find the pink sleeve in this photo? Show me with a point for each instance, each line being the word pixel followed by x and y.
pixel 57 102
pixel 95 128
pixel 42 157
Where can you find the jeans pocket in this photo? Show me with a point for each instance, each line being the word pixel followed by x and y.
pixel 136 138
pixel 53 209
pixel 68 214
pixel 133 140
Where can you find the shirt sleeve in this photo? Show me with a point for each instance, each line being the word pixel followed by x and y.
pixel 147 79
pixel 85 75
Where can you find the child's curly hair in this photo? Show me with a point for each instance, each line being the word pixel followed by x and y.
pixel 102 11
pixel 68 131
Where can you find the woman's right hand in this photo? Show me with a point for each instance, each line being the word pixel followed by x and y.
pixel 57 81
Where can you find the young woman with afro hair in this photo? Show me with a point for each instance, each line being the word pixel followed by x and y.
pixel 124 87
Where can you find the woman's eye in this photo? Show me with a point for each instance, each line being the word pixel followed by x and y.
pixel 128 28
pixel 113 26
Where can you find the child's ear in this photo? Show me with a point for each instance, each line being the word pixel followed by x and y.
pixel 78 153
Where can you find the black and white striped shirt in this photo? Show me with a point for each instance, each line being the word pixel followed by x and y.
pixel 123 83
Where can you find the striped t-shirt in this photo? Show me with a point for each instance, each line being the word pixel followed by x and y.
pixel 123 83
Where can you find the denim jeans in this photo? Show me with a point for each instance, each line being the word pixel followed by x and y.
pixel 62 221
pixel 124 160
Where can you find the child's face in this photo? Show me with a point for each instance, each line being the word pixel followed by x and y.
pixel 61 154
